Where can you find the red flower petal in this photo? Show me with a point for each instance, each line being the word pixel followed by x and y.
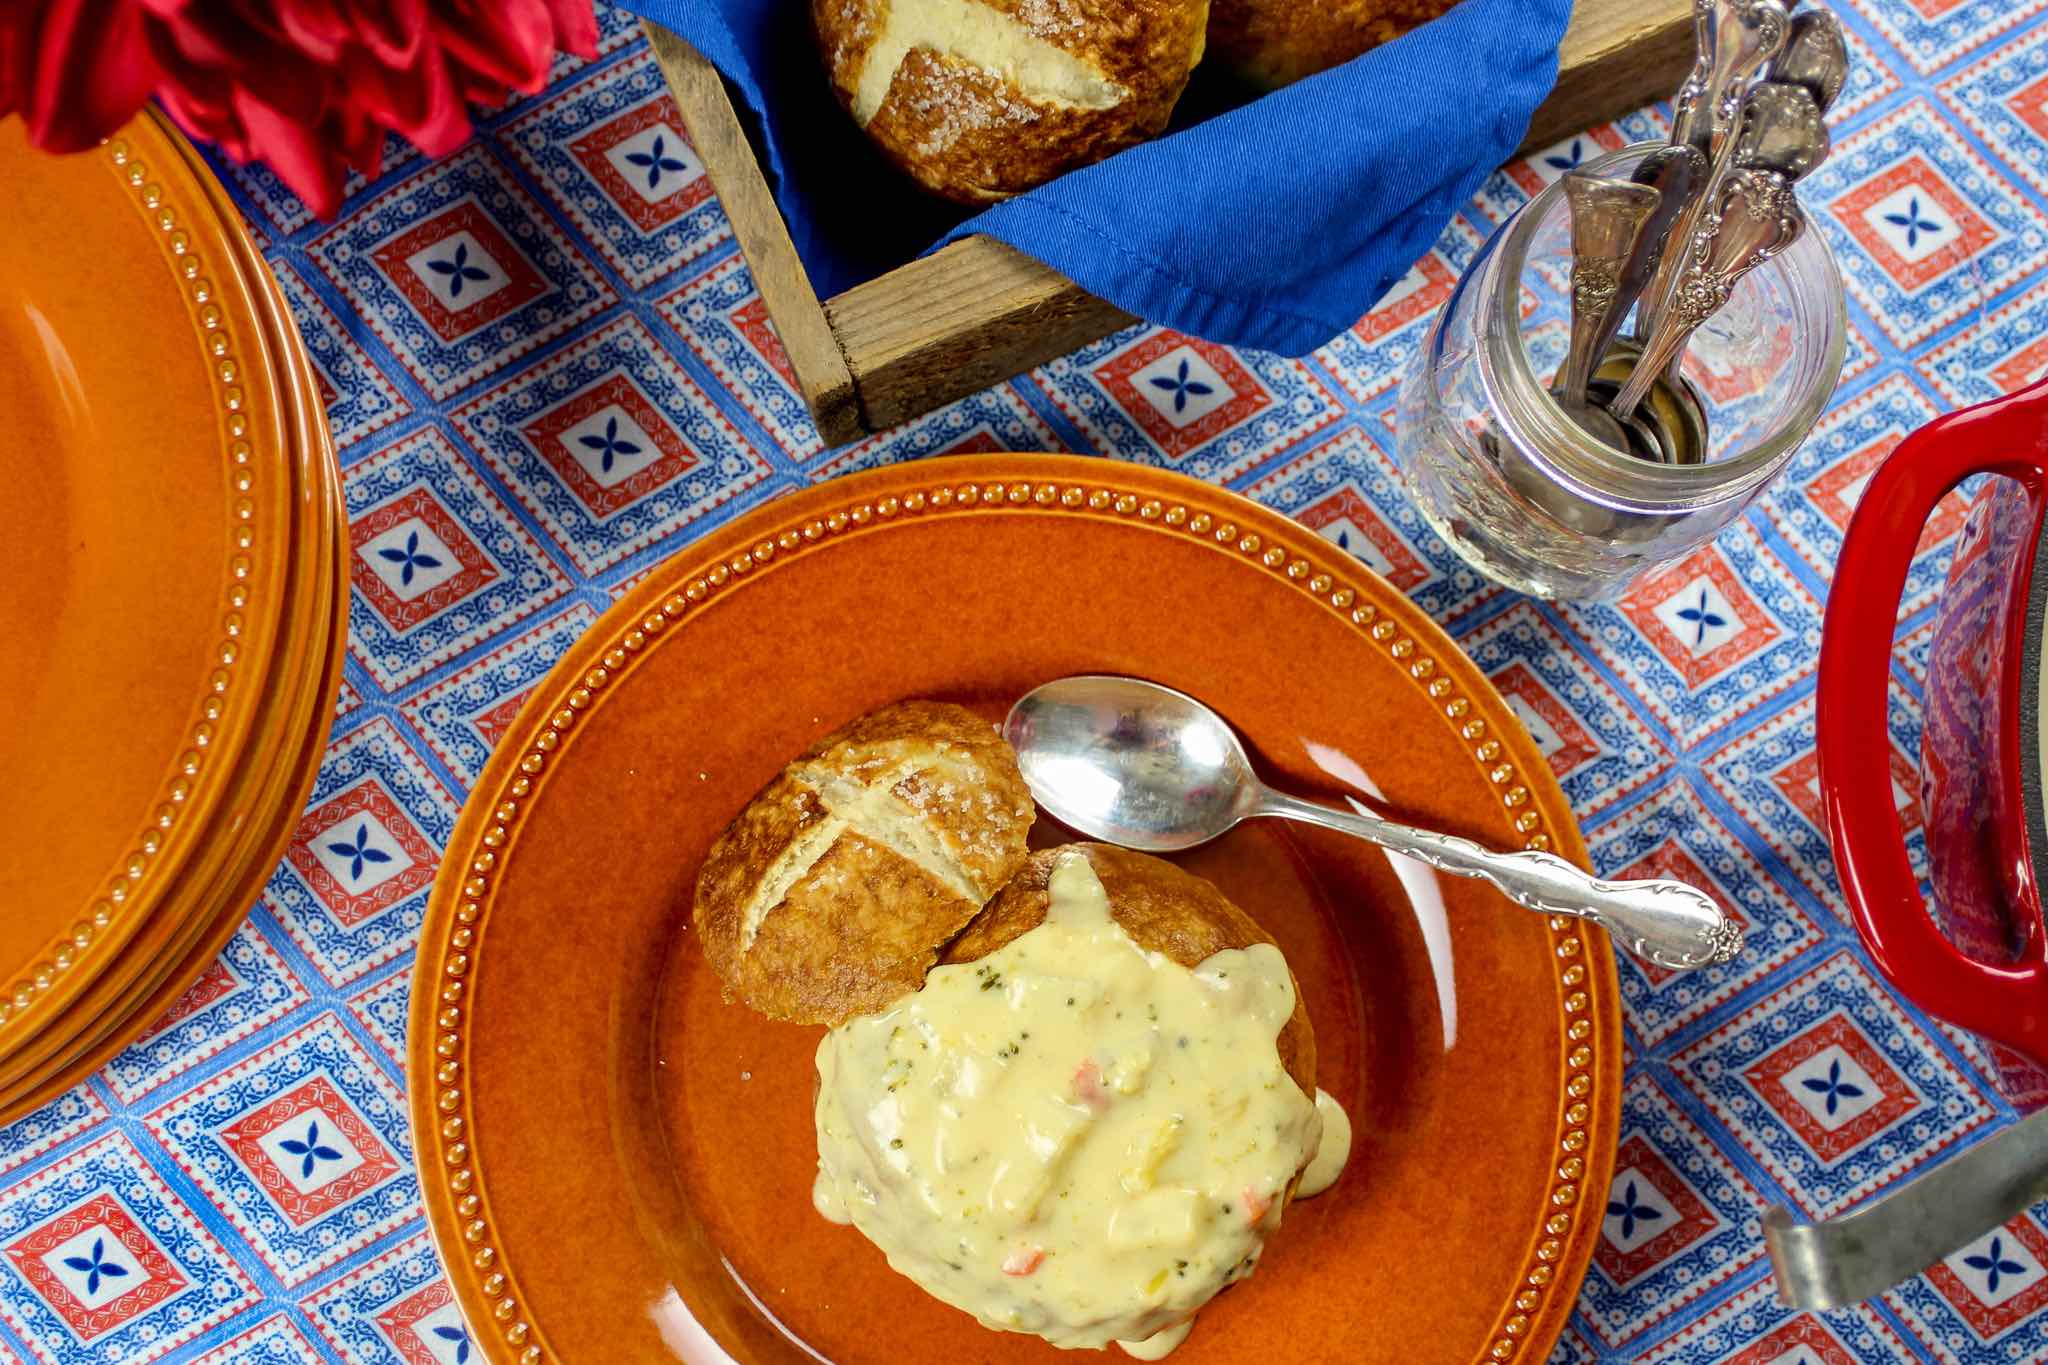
pixel 316 28
pixel 82 72
pixel 514 51
pixel 575 24
pixel 301 156
pixel 309 85
pixel 420 103
pixel 209 50
pixel 392 31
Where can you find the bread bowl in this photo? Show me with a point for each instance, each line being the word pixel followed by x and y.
pixel 1069 1092
pixel 833 891
pixel 1088 1120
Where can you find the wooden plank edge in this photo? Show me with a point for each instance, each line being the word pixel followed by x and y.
pixel 1617 55
pixel 971 314
pixel 721 144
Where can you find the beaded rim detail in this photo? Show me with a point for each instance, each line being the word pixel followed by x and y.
pixel 122 889
pixel 488 1292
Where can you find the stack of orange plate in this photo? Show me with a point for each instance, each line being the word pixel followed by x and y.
pixel 173 595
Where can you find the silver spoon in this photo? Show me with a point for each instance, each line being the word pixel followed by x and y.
pixel 1607 218
pixel 1674 174
pixel 1678 173
pixel 1692 116
pixel 1816 56
pixel 1144 766
pixel 1753 218
pixel 1733 38
pixel 1780 136
pixel 1737 38
pixel 1782 130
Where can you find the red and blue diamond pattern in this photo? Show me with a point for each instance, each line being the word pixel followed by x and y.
pixel 394 1308
pixel 352 889
pixel 1679 1220
pixel 302 1148
pixel 613 446
pixel 104 1262
pixel 546 367
pixel 611 151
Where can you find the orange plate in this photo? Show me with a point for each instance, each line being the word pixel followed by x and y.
pixel 186 902
pixel 617 1166
pixel 264 805
pixel 141 573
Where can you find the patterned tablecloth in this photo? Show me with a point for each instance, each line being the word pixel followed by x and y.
pixel 543 357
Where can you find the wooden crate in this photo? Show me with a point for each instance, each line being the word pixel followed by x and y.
pixel 977 312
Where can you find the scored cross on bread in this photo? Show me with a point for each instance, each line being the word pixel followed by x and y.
pixel 831 894
pixel 979 99
pixel 979 36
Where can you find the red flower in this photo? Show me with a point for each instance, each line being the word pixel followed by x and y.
pixel 310 86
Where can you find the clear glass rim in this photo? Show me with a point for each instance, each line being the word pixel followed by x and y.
pixel 1597 469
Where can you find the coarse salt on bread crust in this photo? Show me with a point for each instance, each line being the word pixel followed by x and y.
pixel 980 99
pixel 1277 42
pixel 1164 909
pixel 832 892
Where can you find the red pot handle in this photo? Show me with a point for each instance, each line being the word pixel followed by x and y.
pixel 2009 436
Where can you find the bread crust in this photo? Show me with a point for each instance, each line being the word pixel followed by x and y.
pixel 965 131
pixel 832 892
pixel 1163 909
pixel 1272 43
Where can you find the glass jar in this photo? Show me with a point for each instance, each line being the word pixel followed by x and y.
pixel 1526 496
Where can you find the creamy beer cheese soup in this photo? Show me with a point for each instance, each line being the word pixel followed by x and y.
pixel 1074 1136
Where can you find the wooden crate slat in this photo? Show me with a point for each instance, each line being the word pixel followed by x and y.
pixel 721 143
pixel 1617 55
pixel 971 314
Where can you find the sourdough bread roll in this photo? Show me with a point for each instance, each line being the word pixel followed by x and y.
pixel 1164 909
pixel 979 99
pixel 1272 43
pixel 831 894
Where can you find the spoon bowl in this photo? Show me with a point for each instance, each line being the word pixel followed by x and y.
pixel 1131 762
pixel 1816 55
pixel 1137 764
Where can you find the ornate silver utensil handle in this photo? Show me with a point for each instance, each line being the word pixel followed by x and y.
pixel 1673 925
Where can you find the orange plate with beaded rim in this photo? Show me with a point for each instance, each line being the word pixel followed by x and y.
pixel 617 1165
pixel 142 583
pixel 264 802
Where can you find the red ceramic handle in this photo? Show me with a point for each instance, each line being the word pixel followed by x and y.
pixel 2009 436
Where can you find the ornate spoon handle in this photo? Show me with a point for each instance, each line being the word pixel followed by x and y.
pixel 1665 922
pixel 1737 39
pixel 1608 217
pixel 1754 218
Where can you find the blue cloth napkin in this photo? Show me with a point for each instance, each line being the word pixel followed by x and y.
pixel 1273 222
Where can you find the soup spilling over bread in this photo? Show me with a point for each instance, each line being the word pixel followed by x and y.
pixel 1084 1121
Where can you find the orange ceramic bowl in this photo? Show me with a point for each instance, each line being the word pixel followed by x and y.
pixel 617 1164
